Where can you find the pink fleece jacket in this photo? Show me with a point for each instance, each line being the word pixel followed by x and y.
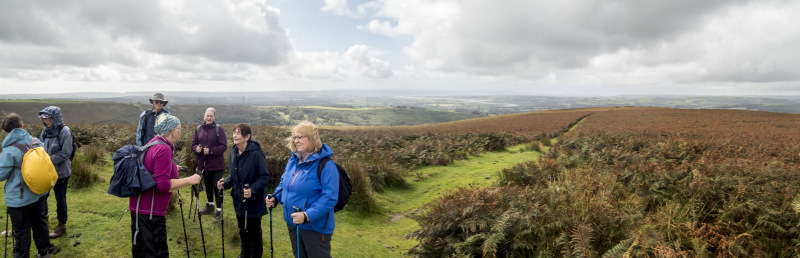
pixel 159 161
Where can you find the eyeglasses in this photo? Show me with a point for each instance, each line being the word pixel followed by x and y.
pixel 299 137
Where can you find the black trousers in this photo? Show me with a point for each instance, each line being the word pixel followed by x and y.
pixel 312 243
pixel 26 220
pixel 152 238
pixel 212 193
pixel 252 244
pixel 60 190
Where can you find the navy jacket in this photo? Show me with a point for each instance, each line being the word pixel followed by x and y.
pixel 248 168
pixel 147 123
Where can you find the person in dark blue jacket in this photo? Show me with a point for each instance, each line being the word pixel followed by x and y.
pixel 248 167
pixel 316 196
pixel 147 120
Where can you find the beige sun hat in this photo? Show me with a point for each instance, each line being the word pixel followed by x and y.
pixel 159 97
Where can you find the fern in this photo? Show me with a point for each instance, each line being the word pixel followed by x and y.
pixel 796 204
pixel 581 242
pixel 619 249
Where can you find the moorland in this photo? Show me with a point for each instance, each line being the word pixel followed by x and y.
pixel 606 181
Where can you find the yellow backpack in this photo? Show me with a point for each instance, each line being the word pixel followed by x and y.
pixel 38 171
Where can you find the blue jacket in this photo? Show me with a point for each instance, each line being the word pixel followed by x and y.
pixel 146 129
pixel 57 141
pixel 248 168
pixel 17 192
pixel 301 187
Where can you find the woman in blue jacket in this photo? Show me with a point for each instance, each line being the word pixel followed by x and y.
pixel 315 195
pixel 248 178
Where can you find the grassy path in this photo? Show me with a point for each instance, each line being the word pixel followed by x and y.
pixel 94 215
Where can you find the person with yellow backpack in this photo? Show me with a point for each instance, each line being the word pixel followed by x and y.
pixel 57 140
pixel 24 196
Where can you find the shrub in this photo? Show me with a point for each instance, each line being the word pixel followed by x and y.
pixel 84 168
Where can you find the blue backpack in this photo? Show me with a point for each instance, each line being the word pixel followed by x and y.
pixel 130 177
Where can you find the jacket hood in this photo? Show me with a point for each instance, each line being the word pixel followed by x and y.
pixel 16 135
pixel 55 113
pixel 251 145
pixel 324 152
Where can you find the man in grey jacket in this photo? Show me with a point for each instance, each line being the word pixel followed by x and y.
pixel 57 140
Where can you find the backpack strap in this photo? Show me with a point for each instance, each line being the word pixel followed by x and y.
pixel 320 166
pixel 216 127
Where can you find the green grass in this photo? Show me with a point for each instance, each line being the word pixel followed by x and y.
pixel 94 215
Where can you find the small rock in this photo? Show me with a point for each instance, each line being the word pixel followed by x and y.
pixel 72 236
pixel 78 235
pixel 77 242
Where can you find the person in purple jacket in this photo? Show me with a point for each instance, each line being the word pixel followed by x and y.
pixel 315 195
pixel 151 240
pixel 209 143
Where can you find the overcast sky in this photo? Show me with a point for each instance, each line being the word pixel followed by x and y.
pixel 542 47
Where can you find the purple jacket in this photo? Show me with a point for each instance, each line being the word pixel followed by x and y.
pixel 206 135
pixel 159 161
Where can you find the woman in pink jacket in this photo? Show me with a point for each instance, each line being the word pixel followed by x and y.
pixel 151 241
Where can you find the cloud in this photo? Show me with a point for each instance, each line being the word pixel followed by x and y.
pixel 612 42
pixel 107 33
pixel 358 63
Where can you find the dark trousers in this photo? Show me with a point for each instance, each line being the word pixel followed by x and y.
pixel 212 193
pixel 60 190
pixel 152 238
pixel 26 220
pixel 312 243
pixel 252 244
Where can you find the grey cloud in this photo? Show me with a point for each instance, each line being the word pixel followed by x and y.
pixel 96 32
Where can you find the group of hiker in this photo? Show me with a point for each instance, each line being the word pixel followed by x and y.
pixel 311 192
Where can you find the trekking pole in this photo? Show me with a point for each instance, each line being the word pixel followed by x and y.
pixel 202 236
pixel 297 230
pixel 185 237
pixel 246 187
pixel 269 196
pixel 7 232
pixel 191 202
pixel 222 220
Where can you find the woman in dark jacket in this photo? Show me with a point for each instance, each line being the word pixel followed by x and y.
pixel 209 143
pixel 249 178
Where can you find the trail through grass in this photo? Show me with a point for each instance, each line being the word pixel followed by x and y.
pixel 94 215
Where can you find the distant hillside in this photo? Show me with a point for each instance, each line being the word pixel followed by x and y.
pixel 103 112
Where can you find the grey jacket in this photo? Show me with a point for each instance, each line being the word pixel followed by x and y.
pixel 57 141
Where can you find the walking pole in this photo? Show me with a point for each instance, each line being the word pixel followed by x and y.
pixel 222 221
pixel 7 232
pixel 202 236
pixel 297 228
pixel 269 196
pixel 246 186
pixel 185 237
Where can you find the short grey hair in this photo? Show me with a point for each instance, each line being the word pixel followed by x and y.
pixel 212 110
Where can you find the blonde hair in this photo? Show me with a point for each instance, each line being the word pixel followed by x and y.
pixel 309 130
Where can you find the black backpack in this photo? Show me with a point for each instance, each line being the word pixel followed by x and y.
pixel 345 186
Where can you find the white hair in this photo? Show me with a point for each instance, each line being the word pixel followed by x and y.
pixel 212 110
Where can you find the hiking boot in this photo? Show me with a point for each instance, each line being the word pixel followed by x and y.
pixel 208 210
pixel 59 230
pixel 217 216
pixel 53 250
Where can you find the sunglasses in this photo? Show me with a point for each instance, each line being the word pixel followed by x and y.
pixel 158 102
